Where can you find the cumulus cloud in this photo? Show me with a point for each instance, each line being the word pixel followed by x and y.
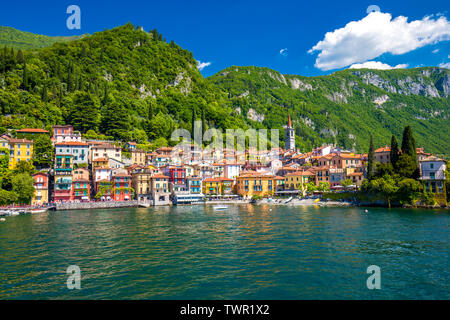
pixel 284 52
pixel 445 65
pixel 376 65
pixel 202 65
pixel 374 35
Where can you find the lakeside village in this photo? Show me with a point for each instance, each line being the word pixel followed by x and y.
pixel 86 171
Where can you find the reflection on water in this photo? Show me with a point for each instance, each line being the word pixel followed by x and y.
pixel 245 252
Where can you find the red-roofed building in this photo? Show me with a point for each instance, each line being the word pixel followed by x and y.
pixel 383 154
pixel 122 190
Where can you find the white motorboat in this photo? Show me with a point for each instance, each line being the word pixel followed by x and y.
pixel 220 207
pixel 38 211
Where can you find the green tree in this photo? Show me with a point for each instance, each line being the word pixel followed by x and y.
pixel 116 121
pixel 371 160
pixel 406 166
pixel 383 169
pixel 346 183
pixel 23 187
pixel 20 57
pixel 323 187
pixel 7 197
pixel 25 167
pixel 311 187
pixel 84 112
pixel 395 152
pixel 385 186
pixel 409 143
pixel 43 151
pixel 409 190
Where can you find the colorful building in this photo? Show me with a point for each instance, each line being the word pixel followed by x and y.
pixel 19 150
pixel 63 178
pixel 138 156
pixel 40 183
pixel 194 184
pixel 65 133
pixel 29 133
pixel 255 184
pixel 432 174
pixel 122 190
pixel 81 184
pixel 294 180
pixel 218 186
pixel 78 150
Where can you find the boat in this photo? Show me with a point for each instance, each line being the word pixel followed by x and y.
pixel 288 200
pixel 38 211
pixel 220 207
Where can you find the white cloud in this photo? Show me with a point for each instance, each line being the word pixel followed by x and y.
pixel 202 65
pixel 284 52
pixel 374 35
pixel 376 65
pixel 445 65
pixel 435 51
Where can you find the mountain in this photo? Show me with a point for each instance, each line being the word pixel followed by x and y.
pixel 125 82
pixel 133 85
pixel 13 38
pixel 347 106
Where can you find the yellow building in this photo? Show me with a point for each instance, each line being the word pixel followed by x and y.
pixel 255 184
pixel 138 156
pixel 218 186
pixel 293 180
pixel 40 183
pixel 19 150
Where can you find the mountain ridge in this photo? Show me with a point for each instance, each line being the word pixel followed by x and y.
pixel 157 87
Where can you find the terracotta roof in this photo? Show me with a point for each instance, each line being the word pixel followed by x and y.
pixel 101 160
pixel 72 143
pixel 32 130
pixel 355 174
pixel 431 158
pixel 300 173
pixel 384 149
pixel 350 156
pixel 217 179
pixel 160 176
pixel 19 140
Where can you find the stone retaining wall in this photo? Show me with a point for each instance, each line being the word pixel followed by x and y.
pixel 96 205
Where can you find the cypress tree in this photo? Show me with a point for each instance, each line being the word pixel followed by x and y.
pixel 193 121
pixel 371 160
pixel 394 152
pixel 24 77
pixel 203 121
pixel 44 95
pixel 20 57
pixel 409 144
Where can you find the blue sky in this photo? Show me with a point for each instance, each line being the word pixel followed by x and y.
pixel 226 33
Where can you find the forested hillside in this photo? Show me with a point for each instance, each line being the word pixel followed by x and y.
pixel 347 106
pixel 13 38
pixel 133 85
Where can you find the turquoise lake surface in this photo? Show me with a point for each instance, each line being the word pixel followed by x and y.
pixel 244 252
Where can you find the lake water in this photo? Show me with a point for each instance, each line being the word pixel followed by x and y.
pixel 245 252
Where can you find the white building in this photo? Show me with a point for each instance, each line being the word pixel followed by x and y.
pixel 65 134
pixel 231 170
pixel 78 150
pixel 432 172
pixel 105 150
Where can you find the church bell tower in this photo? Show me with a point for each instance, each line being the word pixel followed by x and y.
pixel 289 136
